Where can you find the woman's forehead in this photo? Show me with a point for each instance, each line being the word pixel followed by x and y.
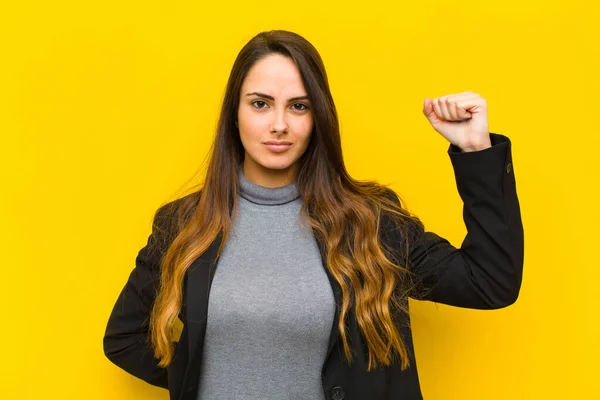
pixel 276 76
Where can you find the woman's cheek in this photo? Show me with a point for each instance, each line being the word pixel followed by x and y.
pixel 259 126
pixel 305 126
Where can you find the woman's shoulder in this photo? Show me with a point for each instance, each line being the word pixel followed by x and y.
pixel 171 216
pixel 179 203
pixel 403 222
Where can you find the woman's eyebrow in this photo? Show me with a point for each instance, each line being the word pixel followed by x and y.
pixel 266 96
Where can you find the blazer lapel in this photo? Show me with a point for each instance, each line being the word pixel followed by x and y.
pixel 337 293
pixel 199 279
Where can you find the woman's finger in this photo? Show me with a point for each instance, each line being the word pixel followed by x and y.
pixel 470 105
pixel 437 109
pixel 444 109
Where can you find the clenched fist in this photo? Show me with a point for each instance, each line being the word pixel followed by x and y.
pixel 461 118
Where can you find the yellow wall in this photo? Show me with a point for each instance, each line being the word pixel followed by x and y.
pixel 107 108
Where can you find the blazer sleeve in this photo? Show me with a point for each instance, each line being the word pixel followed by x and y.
pixel 486 271
pixel 126 339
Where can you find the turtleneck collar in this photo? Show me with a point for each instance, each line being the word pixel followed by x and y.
pixel 265 195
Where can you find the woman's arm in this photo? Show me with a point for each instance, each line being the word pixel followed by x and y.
pixel 126 340
pixel 486 272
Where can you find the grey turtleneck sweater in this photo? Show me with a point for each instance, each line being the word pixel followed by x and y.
pixel 270 307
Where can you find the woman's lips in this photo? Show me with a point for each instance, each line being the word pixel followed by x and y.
pixel 278 148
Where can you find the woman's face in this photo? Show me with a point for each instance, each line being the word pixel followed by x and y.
pixel 274 107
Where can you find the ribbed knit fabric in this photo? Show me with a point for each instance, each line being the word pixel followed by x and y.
pixel 271 306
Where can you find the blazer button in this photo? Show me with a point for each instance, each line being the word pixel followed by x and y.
pixel 508 168
pixel 337 393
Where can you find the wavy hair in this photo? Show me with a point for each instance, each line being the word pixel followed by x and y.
pixel 347 215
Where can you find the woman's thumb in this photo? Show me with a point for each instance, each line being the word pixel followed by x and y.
pixel 428 109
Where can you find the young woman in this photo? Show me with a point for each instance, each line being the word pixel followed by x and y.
pixel 290 277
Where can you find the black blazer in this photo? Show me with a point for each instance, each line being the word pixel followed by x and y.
pixel 485 273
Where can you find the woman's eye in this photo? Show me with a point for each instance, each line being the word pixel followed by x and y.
pixel 257 102
pixel 303 106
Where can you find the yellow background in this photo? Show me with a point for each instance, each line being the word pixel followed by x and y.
pixel 108 108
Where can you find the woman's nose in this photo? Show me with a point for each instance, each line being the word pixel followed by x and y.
pixel 279 123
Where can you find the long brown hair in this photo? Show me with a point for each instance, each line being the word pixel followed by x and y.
pixel 347 215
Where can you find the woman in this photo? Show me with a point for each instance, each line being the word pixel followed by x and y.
pixel 291 278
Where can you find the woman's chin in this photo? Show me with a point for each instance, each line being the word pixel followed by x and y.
pixel 278 164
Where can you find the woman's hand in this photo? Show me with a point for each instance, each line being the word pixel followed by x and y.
pixel 461 118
